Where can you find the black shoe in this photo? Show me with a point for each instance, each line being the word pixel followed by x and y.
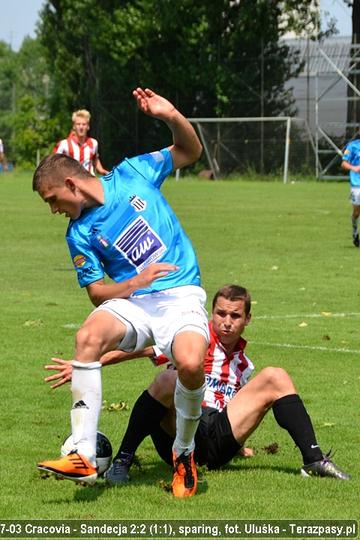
pixel 118 473
pixel 324 467
pixel 356 240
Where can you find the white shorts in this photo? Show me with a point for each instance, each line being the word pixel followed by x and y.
pixel 156 318
pixel 355 196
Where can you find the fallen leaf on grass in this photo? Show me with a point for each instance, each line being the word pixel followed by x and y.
pixel 119 406
pixel 33 324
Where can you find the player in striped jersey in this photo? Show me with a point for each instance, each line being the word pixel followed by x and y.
pixel 232 407
pixel 81 147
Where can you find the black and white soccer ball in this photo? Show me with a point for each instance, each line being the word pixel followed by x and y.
pixel 103 451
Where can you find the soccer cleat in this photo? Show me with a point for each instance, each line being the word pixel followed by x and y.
pixel 356 240
pixel 324 467
pixel 118 473
pixel 185 479
pixel 73 467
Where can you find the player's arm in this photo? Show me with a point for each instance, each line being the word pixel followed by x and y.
pixel 99 291
pixel 99 168
pixel 348 167
pixel 63 368
pixel 186 147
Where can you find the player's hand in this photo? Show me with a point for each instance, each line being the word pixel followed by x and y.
pixel 152 272
pixel 246 452
pixel 153 104
pixel 63 375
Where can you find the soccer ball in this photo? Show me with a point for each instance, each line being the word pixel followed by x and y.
pixel 103 451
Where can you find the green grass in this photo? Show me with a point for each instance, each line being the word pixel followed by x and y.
pixel 291 246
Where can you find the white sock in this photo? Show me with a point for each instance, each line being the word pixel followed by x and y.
pixel 85 412
pixel 188 412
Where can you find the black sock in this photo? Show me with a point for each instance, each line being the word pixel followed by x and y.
pixel 290 414
pixel 147 412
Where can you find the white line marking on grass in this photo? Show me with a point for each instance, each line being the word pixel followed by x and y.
pixel 325 315
pixel 72 326
pixel 309 347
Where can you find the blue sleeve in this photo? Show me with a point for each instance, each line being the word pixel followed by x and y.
pixel 87 265
pixel 154 167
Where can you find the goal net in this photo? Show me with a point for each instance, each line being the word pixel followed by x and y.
pixel 277 145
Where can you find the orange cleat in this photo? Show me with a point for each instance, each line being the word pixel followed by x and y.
pixel 185 479
pixel 73 467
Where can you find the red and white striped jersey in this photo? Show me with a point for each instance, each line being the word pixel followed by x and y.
pixel 224 374
pixel 86 153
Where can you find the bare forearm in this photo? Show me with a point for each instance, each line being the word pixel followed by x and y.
pixel 99 168
pixel 186 148
pixel 99 291
pixel 115 357
pixel 348 167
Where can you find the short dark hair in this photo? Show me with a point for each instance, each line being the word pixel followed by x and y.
pixel 233 293
pixel 55 168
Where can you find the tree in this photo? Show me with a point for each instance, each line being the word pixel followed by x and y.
pixel 210 58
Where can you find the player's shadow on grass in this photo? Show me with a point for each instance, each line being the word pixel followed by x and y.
pixel 157 473
pixel 240 465
pixel 90 493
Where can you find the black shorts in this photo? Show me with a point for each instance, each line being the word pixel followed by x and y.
pixel 215 444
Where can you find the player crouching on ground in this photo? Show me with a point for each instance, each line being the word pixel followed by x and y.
pixel 232 407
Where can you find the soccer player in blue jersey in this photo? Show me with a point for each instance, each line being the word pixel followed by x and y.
pixel 351 163
pixel 121 225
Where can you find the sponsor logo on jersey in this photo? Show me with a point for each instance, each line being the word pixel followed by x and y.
pixel 347 152
pixel 137 203
pixel 219 386
pixel 140 244
pixel 79 261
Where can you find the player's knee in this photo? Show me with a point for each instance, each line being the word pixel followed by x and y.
pixel 163 387
pixel 86 338
pixel 276 378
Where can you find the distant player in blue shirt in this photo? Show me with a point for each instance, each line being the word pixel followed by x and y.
pixel 121 225
pixel 351 163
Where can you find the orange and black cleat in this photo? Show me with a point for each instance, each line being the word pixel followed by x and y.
pixel 185 479
pixel 74 466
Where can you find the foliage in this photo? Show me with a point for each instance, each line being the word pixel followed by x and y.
pixel 7 89
pixel 25 123
pixel 210 58
pixel 223 58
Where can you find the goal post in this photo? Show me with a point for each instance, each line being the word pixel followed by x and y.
pixel 266 145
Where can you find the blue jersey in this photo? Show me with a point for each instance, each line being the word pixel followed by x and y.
pixel 352 155
pixel 133 228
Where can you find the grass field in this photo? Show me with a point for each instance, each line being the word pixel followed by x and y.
pixel 291 246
